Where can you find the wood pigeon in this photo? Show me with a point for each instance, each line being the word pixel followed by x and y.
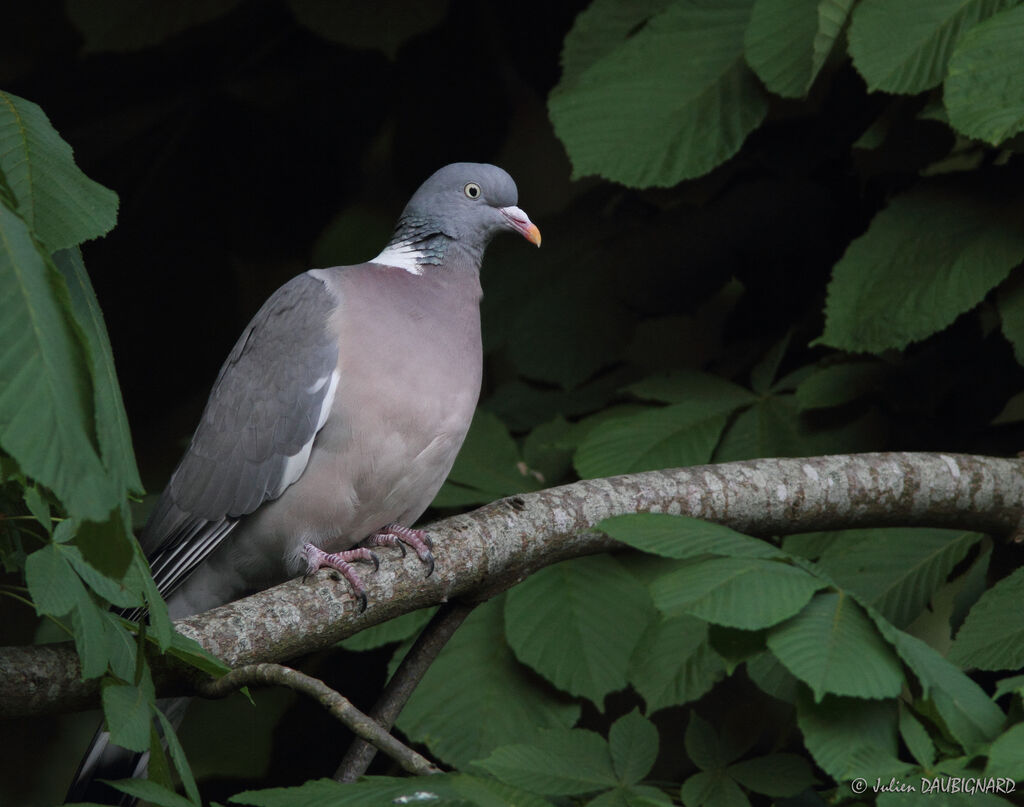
pixel 338 413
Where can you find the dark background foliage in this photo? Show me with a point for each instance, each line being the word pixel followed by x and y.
pixel 234 144
pixel 253 144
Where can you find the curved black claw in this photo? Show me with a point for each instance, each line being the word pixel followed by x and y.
pixel 376 567
pixel 362 601
pixel 401 546
pixel 429 560
pixel 428 540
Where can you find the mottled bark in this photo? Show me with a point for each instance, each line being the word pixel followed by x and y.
pixel 364 727
pixel 402 684
pixel 492 548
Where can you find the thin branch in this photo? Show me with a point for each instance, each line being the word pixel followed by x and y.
pixel 493 548
pixel 403 683
pixel 334 702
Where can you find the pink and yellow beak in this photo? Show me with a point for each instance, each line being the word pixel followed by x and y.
pixel 520 222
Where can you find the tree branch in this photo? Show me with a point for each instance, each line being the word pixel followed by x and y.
pixel 490 549
pixel 402 684
pixel 334 702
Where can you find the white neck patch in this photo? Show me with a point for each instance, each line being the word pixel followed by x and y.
pixel 404 256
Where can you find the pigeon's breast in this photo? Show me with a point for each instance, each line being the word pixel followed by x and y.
pixel 403 403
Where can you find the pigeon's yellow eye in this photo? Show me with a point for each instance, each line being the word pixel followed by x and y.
pixel 472 190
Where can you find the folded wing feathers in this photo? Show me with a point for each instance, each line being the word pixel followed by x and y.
pixel 272 396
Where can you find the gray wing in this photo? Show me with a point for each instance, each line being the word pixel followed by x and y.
pixel 271 397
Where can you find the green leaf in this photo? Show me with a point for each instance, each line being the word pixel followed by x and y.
pixel 317 792
pixel 547 450
pixel 772 678
pixel 371 791
pixel 52 583
pixel 896 570
pixel 152 792
pixel 178 755
pixel 112 432
pixel 903 46
pixel 838 384
pixel 776 775
pixel 476 696
pixel 916 738
pixel 192 653
pixel 555 763
pixel 668 74
pixel 673 663
pixel 992 636
pixel 736 646
pixel 632 796
pixel 523 405
pixel 1006 754
pixel 984 91
pixel 674 536
pixel 57 590
pixel 704 747
pixel 394 630
pixel 971 717
pixel 488 466
pixel 788 41
pixel 672 437
pixel 487 792
pixel 46 398
pixel 120 646
pixel 713 789
pixel 633 742
pixel 128 710
pixel 1010 301
pixel 1014 683
pixel 159 621
pixel 811 545
pixel 122 25
pixel 746 593
pixel 64 532
pixel 60 204
pixel 928 257
pixel 108 545
pixel 577 624
pixel 88 626
pixel 763 374
pixel 666 343
pixel 875 135
pixel 959 595
pixel 582 428
pixel 769 428
pixel 37 505
pixel 850 738
pixel 384 25
pixel 713 392
pixel 833 647
pixel 560 344
pixel 159 767
pixel 113 591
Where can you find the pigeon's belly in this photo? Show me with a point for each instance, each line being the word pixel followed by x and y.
pixel 383 466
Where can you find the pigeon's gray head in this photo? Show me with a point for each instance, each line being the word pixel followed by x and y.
pixel 471 202
pixel 463 205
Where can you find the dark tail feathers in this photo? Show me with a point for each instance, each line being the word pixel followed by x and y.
pixel 104 760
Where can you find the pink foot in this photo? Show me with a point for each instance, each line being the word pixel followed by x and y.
pixel 316 559
pixel 397 535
